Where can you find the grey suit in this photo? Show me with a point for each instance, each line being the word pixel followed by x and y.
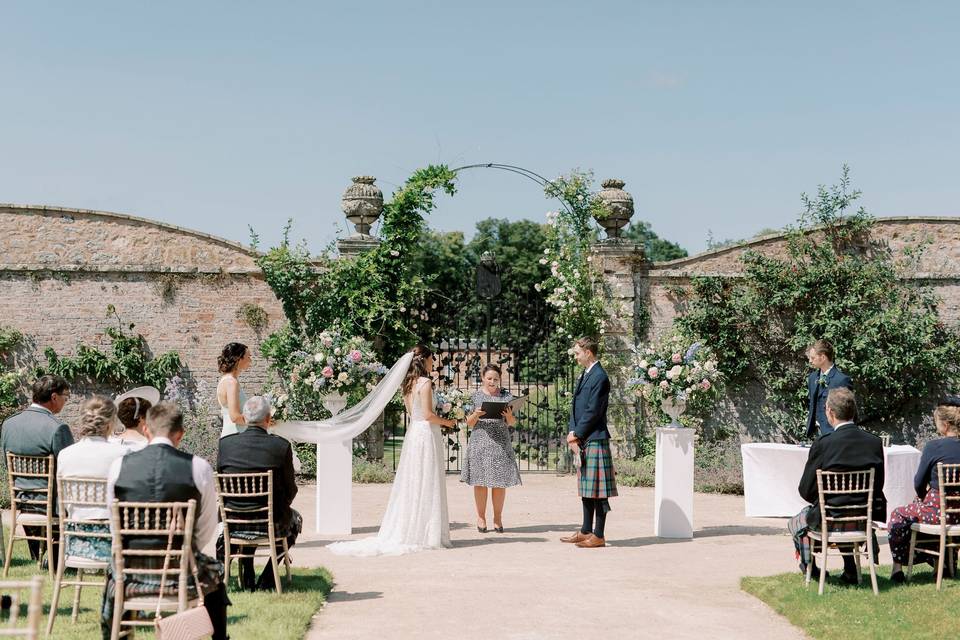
pixel 35 431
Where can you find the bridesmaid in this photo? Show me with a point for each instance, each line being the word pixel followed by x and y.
pixel 234 360
pixel 490 460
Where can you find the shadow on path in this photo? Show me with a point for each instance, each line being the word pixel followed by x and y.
pixel 490 539
pixel 739 530
pixel 346 596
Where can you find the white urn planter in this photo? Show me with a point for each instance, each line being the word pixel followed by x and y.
pixel 334 504
pixel 673 489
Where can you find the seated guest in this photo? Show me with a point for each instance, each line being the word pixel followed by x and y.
pixel 161 473
pixel 37 431
pixel 91 457
pixel 926 508
pixel 255 450
pixel 132 408
pixel 846 448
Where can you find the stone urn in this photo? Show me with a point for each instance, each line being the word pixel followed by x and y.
pixel 619 205
pixel 362 202
pixel 674 408
pixel 335 402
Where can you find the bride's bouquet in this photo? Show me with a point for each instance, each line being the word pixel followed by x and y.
pixel 675 375
pixel 333 362
pixel 453 404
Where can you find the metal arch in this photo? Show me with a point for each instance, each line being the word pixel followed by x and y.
pixel 526 173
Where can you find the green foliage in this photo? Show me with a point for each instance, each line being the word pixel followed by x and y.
pixel 11 380
pixel 254 316
pixel 127 363
pixel 372 293
pixel 371 472
pixel 835 283
pixel 655 248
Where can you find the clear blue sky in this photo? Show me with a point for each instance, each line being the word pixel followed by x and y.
pixel 220 115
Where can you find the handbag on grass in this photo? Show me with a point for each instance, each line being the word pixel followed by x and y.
pixel 191 624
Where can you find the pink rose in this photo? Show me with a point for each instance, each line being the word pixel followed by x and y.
pixel 653 372
pixel 447 407
pixel 327 372
pixel 677 358
pixel 705 385
pixel 356 356
pixel 664 385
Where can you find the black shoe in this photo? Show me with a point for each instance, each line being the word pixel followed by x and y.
pixel 897 577
pixel 847 578
pixel 498 529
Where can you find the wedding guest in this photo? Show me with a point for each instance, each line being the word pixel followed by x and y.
pixel 824 377
pixel 132 408
pixel 160 472
pixel 588 430
pixel 256 450
pixel 234 360
pixel 845 448
pixel 91 457
pixel 490 460
pixel 926 508
pixel 37 431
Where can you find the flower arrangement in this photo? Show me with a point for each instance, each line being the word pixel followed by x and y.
pixel 675 375
pixel 454 404
pixel 330 363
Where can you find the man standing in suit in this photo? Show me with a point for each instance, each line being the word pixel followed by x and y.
pixel 160 472
pixel 255 450
pixel 824 377
pixel 846 448
pixel 37 431
pixel 588 429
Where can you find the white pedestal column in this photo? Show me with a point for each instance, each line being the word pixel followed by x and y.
pixel 673 492
pixel 334 479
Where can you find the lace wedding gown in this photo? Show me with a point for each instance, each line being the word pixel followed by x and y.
pixel 416 516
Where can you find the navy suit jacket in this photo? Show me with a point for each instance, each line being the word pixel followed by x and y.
pixel 588 420
pixel 817 398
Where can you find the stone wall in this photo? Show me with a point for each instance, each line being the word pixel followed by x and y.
pixel 184 290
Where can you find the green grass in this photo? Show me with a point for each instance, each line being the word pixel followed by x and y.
pixel 251 617
pixel 913 611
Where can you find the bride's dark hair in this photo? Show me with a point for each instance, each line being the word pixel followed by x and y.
pixel 418 368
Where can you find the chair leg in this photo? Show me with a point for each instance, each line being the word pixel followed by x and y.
pixel 276 566
pixel 13 531
pixel 942 560
pixel 856 561
pixel 913 549
pixel 3 542
pixel 806 582
pixel 286 558
pixel 117 610
pixel 55 602
pixel 824 549
pixel 76 596
pixel 873 566
pixel 50 550
pixel 226 562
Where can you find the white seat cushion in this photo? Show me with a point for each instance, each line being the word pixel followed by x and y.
pixel 840 536
pixel 79 562
pixel 147 603
pixel 31 519
pixel 934 529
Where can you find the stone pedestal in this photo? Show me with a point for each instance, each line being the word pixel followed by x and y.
pixel 356 244
pixel 334 479
pixel 673 492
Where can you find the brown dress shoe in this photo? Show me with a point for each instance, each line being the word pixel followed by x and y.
pixel 576 537
pixel 592 542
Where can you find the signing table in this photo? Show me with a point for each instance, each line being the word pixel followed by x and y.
pixel 771 473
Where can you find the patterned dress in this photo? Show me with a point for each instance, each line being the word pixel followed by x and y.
pixel 490 460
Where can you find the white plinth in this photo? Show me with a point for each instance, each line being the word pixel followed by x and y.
pixel 334 490
pixel 673 491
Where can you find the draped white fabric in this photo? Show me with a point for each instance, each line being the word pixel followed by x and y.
pixel 353 421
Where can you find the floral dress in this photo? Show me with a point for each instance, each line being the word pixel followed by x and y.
pixel 490 460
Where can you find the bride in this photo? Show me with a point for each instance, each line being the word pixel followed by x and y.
pixel 416 515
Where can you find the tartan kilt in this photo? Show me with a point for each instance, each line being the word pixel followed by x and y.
pixel 597 477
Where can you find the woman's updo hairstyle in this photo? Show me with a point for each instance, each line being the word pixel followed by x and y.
pixel 418 368
pixel 131 411
pixel 230 356
pixel 948 413
pixel 490 366
pixel 97 416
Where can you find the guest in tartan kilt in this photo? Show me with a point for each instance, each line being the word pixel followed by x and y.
pixel 847 448
pixel 589 434
pixel 926 508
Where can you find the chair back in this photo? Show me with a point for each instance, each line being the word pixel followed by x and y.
pixel 36 468
pixel 77 493
pixel 15 589
pixel 153 544
pixel 856 484
pixel 948 477
pixel 250 498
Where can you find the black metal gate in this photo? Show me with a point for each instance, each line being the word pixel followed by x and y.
pixel 535 363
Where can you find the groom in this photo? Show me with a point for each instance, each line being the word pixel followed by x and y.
pixel 824 377
pixel 588 429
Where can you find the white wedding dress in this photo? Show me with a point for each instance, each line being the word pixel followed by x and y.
pixel 416 516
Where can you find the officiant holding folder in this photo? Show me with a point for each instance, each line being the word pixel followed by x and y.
pixel 490 461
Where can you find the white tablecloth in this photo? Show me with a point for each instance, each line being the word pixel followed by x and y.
pixel 771 473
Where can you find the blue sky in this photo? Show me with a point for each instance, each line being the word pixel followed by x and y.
pixel 223 115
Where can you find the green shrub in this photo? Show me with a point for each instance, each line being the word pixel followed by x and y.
pixel 367 471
